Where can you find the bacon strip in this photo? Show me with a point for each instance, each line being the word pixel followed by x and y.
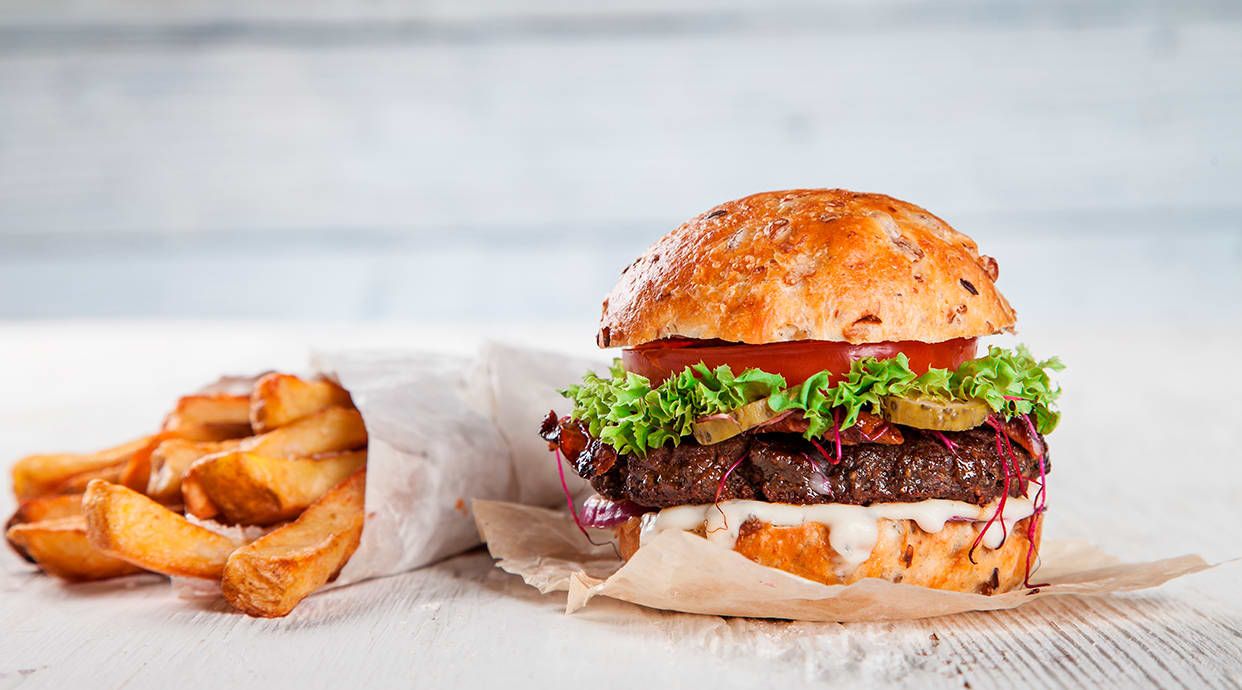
pixel 589 456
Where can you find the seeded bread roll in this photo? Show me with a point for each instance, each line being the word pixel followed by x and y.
pixel 808 264
pixel 903 553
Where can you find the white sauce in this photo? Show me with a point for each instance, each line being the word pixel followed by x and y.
pixel 853 530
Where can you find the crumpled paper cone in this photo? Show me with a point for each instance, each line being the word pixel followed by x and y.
pixel 678 571
pixel 444 430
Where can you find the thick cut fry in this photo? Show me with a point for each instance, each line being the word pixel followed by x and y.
pixel 127 525
pixel 327 431
pixel 77 483
pixel 269 576
pixel 49 508
pixel 136 473
pixel 60 547
pixel 209 417
pixel 38 475
pixel 209 433
pixel 279 399
pixel 197 502
pixel 39 509
pixel 172 459
pixel 253 489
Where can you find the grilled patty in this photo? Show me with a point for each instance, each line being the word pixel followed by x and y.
pixel 786 468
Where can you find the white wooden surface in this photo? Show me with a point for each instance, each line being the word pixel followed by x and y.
pixel 1123 477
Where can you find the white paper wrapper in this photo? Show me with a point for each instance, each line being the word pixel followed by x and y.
pixel 678 571
pixel 445 430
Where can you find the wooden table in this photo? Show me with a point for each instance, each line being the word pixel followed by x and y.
pixel 1124 478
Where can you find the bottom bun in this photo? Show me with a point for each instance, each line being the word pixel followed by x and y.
pixel 903 553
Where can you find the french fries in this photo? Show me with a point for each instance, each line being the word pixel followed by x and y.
pixel 269 576
pixel 209 417
pixel 39 475
pixel 197 502
pixel 127 525
pixel 280 399
pixel 254 489
pixel 330 430
pixel 39 509
pixel 136 471
pixel 60 547
pixel 172 459
pixel 282 449
pixel 200 418
pixel 43 508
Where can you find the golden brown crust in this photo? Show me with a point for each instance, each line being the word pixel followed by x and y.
pixel 809 264
pixel 903 553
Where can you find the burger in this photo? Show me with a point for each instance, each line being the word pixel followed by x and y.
pixel 801 381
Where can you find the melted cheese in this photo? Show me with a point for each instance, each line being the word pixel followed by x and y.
pixel 853 530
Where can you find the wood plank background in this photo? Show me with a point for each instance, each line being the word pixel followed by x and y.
pixel 406 151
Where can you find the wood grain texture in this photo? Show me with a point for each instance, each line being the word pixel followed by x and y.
pixel 463 623
pixel 544 144
pixel 582 129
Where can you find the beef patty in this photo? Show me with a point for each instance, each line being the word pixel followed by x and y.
pixel 786 468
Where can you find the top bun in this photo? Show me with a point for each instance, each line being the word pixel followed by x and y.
pixel 808 264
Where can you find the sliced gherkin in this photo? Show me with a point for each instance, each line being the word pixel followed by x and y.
pixel 719 427
pixel 935 413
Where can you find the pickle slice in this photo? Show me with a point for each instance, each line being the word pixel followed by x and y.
pixel 935 413
pixel 726 425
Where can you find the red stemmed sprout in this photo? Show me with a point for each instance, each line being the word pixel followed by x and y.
pixel 569 500
pixel 1012 469
pixel 1004 497
pixel 836 439
pixel 1039 506
pixel 720 488
pixel 948 442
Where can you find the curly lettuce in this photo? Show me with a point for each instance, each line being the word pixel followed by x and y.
pixel 626 412
pixel 1011 382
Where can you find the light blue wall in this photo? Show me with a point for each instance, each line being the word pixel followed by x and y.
pixel 500 162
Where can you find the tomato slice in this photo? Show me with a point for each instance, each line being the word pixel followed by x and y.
pixel 796 361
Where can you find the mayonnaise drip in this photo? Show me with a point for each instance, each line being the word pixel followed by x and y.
pixel 853 530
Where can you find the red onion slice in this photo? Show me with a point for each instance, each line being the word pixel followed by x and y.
pixel 602 513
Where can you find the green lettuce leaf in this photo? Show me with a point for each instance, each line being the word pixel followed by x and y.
pixel 626 412
pixel 1013 383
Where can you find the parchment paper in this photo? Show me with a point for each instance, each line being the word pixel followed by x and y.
pixel 444 430
pixel 678 571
